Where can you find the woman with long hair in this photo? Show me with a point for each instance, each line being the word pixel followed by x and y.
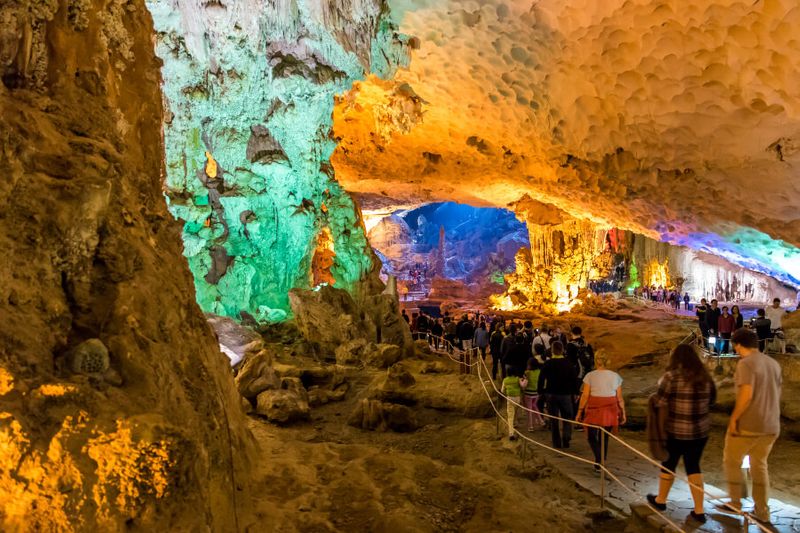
pixel 738 319
pixel 687 391
pixel 601 404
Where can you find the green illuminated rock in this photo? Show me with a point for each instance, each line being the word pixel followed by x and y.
pixel 249 90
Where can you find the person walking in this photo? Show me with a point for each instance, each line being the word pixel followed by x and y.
pixel 495 342
pixel 518 355
pixel 557 382
pixel 754 425
pixel 512 388
pixel 465 333
pixel 530 395
pixel 686 300
pixel 505 347
pixel 480 339
pixel 687 392
pixel 601 404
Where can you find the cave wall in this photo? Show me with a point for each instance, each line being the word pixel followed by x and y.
pixel 151 436
pixel 249 93
pixel 700 274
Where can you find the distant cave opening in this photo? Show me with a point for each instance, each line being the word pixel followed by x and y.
pixel 446 251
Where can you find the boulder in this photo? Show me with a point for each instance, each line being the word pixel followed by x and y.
pixel 375 415
pixel 330 317
pixel 396 387
pixel 383 356
pixel 461 394
pixel 257 375
pixel 90 357
pixel 235 341
pixel 353 353
pixel 284 405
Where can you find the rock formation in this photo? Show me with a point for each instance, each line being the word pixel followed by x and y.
pixel 118 410
pixel 249 91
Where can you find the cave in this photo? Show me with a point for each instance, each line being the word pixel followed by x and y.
pixel 215 213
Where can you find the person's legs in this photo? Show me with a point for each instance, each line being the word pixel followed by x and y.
pixel 759 452
pixel 495 360
pixel 553 410
pixel 593 434
pixel 736 447
pixel 565 412
pixel 666 478
pixel 511 412
pixel 527 401
pixel 693 451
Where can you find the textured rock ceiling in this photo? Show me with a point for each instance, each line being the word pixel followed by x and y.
pixel 678 120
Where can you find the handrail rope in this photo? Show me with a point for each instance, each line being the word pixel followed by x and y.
pixel 481 363
pixel 560 452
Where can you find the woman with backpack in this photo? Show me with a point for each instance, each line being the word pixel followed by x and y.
pixel 601 404
pixel 687 391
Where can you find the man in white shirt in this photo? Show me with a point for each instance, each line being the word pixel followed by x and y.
pixel 775 315
pixel 542 338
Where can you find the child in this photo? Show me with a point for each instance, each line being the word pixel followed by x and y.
pixel 530 396
pixel 512 388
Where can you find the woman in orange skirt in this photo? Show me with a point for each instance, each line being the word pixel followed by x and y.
pixel 601 405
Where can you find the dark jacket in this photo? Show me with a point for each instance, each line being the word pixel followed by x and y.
pixel 494 343
pixel 558 376
pixel 518 356
pixel 466 330
pixel 712 318
pixel 657 429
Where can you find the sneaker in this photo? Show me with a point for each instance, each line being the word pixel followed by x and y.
pixel 698 517
pixel 651 499
pixel 596 468
pixel 729 508
pixel 512 437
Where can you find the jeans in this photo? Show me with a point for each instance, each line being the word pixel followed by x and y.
pixel 723 343
pixel 757 446
pixel 594 436
pixel 560 405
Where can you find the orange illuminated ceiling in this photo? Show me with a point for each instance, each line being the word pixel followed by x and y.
pixel 668 118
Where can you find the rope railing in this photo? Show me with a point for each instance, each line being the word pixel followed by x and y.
pixel 481 368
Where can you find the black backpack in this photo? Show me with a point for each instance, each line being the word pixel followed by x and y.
pixel 584 358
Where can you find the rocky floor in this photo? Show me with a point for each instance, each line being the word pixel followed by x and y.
pixel 453 474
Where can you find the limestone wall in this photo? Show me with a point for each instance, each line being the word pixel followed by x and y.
pixel 139 429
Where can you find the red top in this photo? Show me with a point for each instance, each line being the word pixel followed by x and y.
pixel 726 324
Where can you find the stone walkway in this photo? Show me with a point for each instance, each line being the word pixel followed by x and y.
pixel 641 476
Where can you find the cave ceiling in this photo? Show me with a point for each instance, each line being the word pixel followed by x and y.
pixel 676 120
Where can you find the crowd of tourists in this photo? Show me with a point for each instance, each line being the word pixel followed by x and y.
pixel 659 294
pixel 717 325
pixel 547 370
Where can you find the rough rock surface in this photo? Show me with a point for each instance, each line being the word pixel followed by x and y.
pixel 332 319
pixel 90 252
pixel 249 90
pixel 289 403
pixel 678 122
pixel 381 416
